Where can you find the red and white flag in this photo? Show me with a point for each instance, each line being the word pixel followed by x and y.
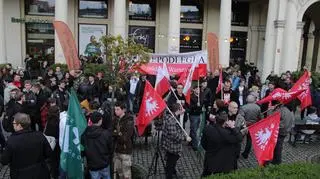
pixel 151 106
pixel 162 80
pixel 303 84
pixel 219 87
pixel 187 87
pixel 281 95
pixel 264 135
pixel 183 78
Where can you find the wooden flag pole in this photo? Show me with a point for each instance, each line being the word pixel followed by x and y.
pixel 177 121
pixel 172 90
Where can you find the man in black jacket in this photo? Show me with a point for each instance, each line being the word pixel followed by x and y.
pixel 97 144
pixel 123 127
pixel 26 151
pixel 196 103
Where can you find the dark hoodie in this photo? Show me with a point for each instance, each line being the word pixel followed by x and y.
pixel 97 144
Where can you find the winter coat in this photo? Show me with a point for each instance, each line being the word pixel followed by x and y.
pixel 98 147
pixel 221 146
pixel 53 120
pixel 286 121
pixel 251 112
pixel 172 136
pixel 123 129
pixel 194 108
pixel 26 153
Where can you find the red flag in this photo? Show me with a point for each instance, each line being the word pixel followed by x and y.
pixel 219 87
pixel 162 80
pixel 213 51
pixel 151 106
pixel 187 87
pixel 68 45
pixel 264 135
pixel 303 84
pixel 281 95
pixel 183 78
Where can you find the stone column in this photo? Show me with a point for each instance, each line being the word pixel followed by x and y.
pixel 279 25
pixel 316 34
pixel 2 35
pixel 225 32
pixel 119 18
pixel 174 26
pixel 268 57
pixel 289 59
pixel 61 14
pixel 309 50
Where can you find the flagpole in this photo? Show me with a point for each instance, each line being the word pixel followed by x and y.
pixel 275 106
pixel 199 92
pixel 177 121
pixel 175 95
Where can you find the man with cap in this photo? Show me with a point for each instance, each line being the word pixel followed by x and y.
pixel 97 144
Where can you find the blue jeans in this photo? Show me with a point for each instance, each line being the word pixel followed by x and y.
pixel 103 173
pixel 194 126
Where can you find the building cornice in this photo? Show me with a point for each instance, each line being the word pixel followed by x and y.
pixel 300 25
pixel 279 23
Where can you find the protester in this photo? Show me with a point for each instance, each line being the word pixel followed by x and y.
pixel 220 142
pixel 251 112
pixel 123 127
pixel 196 104
pixel 98 148
pixel 26 151
pixel 286 123
pixel 172 138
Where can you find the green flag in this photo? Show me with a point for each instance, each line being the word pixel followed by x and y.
pixel 75 124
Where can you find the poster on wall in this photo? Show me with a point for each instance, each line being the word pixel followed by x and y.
pixel 89 39
pixel 143 35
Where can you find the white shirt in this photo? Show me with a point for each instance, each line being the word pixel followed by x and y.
pixel 62 126
pixel 133 85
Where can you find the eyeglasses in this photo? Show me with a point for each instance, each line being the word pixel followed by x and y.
pixel 14 123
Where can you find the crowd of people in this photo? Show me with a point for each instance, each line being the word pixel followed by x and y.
pixel 32 105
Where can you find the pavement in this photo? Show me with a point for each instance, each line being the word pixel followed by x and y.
pixel 190 163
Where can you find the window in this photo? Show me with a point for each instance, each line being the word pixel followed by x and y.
pixel 238 45
pixel 93 8
pixel 240 13
pixel 191 11
pixel 40 7
pixel 143 35
pixel 89 39
pixel 142 10
pixel 40 40
pixel 190 40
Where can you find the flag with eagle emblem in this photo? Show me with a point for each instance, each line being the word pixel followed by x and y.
pixel 264 135
pixel 281 95
pixel 151 106
pixel 304 84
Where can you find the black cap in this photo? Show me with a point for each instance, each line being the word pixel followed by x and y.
pixel 96 117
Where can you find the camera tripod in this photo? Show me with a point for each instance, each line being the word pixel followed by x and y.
pixel 157 153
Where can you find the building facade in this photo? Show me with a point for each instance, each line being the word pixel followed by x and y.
pixel 274 35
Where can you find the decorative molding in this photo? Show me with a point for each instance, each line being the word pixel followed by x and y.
pixel 279 23
pixel 300 25
pixel 260 28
